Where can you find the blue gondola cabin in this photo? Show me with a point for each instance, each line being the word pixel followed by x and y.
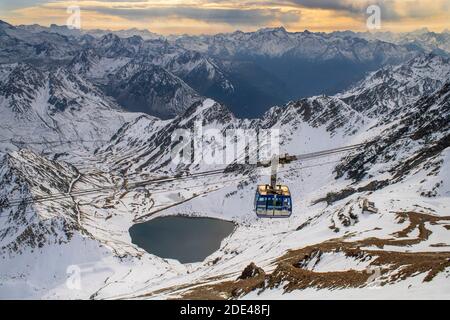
pixel 273 202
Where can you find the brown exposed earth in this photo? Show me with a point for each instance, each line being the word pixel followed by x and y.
pixel 290 272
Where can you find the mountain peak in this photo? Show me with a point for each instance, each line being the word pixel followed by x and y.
pixel 400 85
pixel 421 31
pixel 280 29
pixel 110 36
pixel 5 24
pixel 208 110
pixel 54 25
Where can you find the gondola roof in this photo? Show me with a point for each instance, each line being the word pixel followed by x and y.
pixel 268 190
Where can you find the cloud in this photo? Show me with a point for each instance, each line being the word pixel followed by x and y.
pixel 290 17
pixel 425 9
pixel 353 7
pixel 391 10
pixel 340 5
pixel 6 5
pixel 207 16
pixel 212 15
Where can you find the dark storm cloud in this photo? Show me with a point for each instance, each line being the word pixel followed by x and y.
pixel 419 11
pixel 352 7
pixel 228 16
pixel 343 5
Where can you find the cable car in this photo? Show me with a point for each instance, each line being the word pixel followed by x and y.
pixel 273 200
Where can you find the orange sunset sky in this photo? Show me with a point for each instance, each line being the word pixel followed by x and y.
pixel 214 16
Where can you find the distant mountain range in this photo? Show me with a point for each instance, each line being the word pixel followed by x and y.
pixel 249 72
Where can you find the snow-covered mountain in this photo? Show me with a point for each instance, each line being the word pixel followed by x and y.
pixel 292 64
pixel 394 87
pixel 152 77
pixel 249 72
pixel 424 39
pixel 341 211
pixel 167 71
pixel 18 45
pixel 413 143
pixel 94 66
pixel 146 144
pixel 54 107
pixel 381 98
pixel 373 217
pixel 97 33
pixel 143 87
pixel 277 42
pixel 29 228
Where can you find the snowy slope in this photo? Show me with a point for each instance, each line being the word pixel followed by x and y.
pixel 54 106
pixel 143 87
pixel 386 214
pixel 394 87
pixel 147 144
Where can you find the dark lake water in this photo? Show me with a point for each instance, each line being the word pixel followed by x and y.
pixel 182 238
